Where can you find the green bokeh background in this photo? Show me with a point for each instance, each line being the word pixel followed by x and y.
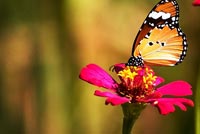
pixel 45 43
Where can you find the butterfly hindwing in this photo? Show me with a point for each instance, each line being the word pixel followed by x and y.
pixel 163 46
pixel 160 41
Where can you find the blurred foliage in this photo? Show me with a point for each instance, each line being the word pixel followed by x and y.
pixel 44 44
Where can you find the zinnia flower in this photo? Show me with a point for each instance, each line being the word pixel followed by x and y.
pixel 196 3
pixel 138 85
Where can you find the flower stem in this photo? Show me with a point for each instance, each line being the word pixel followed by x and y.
pixel 131 112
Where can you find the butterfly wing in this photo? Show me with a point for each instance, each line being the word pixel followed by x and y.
pixel 160 41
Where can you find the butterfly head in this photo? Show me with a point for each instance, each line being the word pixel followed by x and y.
pixel 135 61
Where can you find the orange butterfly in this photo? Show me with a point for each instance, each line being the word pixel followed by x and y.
pixel 160 41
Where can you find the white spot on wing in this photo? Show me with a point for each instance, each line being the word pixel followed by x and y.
pixel 156 15
pixel 173 18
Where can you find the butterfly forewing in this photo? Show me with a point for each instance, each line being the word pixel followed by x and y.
pixel 160 41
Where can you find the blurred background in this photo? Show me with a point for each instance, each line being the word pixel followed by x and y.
pixel 45 43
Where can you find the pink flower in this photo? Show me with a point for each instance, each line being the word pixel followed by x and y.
pixel 138 85
pixel 196 3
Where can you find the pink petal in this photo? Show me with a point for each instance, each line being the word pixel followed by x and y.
pixel 158 81
pixel 167 105
pixel 119 67
pixel 176 88
pixel 97 76
pixel 112 98
pixel 196 3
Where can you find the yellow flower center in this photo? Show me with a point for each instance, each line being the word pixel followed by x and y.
pixel 137 82
pixel 128 72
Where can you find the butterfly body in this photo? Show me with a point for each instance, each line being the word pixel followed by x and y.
pixel 160 41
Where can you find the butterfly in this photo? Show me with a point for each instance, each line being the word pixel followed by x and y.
pixel 160 40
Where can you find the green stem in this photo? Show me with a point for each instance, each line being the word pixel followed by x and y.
pixel 131 112
pixel 197 105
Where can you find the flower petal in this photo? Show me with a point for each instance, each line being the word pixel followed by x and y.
pixel 158 81
pixel 97 76
pixel 176 88
pixel 112 98
pixel 196 3
pixel 167 105
pixel 119 67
